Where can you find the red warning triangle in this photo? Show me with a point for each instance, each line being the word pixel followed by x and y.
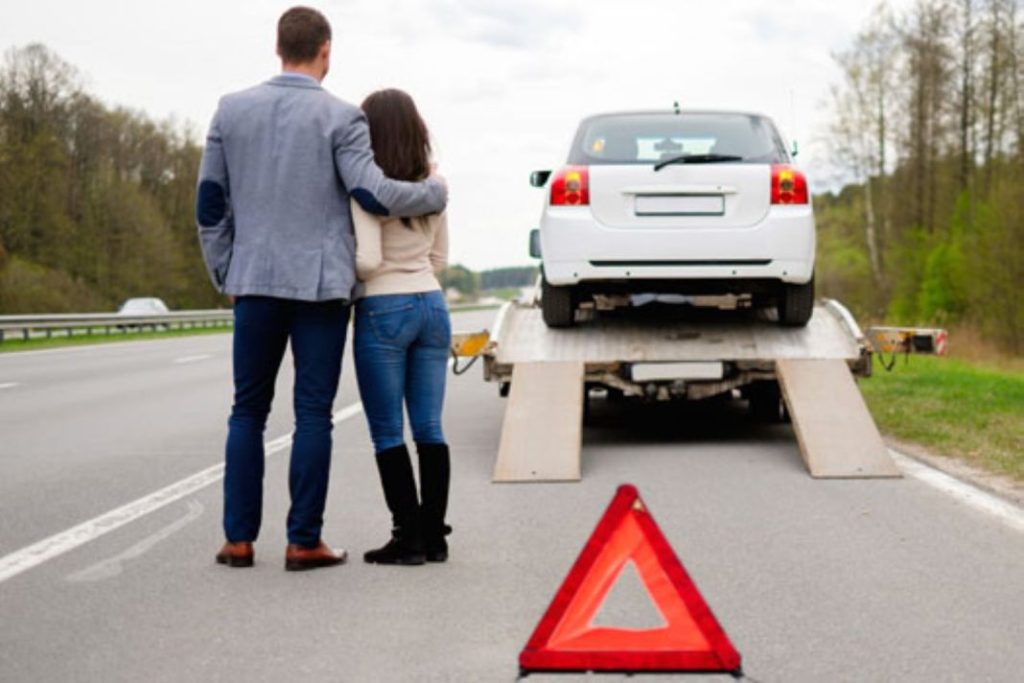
pixel 690 638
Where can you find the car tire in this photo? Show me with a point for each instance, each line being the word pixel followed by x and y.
pixel 796 304
pixel 557 305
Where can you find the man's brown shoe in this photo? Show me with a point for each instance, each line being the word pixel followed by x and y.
pixel 236 554
pixel 299 558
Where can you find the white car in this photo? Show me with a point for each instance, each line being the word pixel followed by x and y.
pixel 149 305
pixel 686 202
pixel 142 306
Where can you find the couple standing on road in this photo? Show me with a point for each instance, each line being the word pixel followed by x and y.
pixel 304 204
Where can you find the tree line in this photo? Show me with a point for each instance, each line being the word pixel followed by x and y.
pixel 927 138
pixel 469 282
pixel 96 203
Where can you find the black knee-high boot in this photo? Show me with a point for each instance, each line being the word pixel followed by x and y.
pixel 406 544
pixel 435 477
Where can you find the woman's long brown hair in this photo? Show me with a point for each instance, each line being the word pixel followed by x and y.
pixel 400 140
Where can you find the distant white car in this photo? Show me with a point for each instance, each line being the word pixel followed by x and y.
pixel 686 202
pixel 143 306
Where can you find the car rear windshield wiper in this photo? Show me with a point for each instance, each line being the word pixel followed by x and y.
pixel 696 159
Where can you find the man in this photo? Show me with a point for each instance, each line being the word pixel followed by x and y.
pixel 281 161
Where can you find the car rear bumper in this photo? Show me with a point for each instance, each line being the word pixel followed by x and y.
pixel 573 272
pixel 576 248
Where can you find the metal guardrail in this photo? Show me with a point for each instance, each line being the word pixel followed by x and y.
pixel 25 326
pixel 109 323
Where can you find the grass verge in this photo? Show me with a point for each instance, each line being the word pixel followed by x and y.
pixel 954 407
pixel 15 345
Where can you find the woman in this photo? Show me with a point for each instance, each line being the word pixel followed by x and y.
pixel 402 337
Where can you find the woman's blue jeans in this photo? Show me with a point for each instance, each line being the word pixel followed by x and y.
pixel 401 353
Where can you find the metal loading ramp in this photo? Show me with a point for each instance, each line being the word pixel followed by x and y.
pixel 542 432
pixel 546 370
pixel 837 436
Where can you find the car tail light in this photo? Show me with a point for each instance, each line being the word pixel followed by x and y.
pixel 789 186
pixel 571 187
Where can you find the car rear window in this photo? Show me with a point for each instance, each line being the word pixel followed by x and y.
pixel 650 138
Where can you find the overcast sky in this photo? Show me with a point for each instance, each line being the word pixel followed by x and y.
pixel 501 83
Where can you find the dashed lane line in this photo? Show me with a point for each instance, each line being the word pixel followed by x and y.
pixel 36 554
pixel 192 359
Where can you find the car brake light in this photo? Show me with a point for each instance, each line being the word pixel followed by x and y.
pixel 789 186
pixel 571 187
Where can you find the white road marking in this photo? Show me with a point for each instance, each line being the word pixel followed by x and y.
pixel 971 496
pixel 113 566
pixel 34 555
pixel 192 359
pixel 8 385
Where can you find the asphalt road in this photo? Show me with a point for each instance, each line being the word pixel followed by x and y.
pixel 812 580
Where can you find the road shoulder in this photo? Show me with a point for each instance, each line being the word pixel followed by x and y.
pixel 996 484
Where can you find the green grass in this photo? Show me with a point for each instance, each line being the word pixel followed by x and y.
pixel 470 308
pixel 61 340
pixel 954 408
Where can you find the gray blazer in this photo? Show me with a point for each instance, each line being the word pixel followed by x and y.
pixel 272 204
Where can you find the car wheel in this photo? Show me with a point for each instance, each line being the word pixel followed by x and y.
pixel 557 305
pixel 796 304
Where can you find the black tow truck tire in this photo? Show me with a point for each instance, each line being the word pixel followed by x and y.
pixel 765 402
pixel 795 303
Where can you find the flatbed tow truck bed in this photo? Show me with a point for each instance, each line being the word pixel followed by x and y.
pixel 664 353
pixel 740 338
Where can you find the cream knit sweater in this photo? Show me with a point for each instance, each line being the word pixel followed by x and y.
pixel 394 259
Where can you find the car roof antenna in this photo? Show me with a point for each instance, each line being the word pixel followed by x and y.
pixel 675 105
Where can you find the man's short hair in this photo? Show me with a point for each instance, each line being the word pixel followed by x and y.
pixel 301 32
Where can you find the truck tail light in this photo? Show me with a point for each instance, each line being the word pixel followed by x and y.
pixel 571 187
pixel 789 186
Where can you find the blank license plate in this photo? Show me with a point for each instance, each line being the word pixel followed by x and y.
pixel 680 205
pixel 647 372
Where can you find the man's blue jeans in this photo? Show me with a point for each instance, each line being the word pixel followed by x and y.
pixel 263 327
pixel 401 352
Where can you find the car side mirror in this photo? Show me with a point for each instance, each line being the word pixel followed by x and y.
pixel 539 178
pixel 795 150
pixel 535 243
